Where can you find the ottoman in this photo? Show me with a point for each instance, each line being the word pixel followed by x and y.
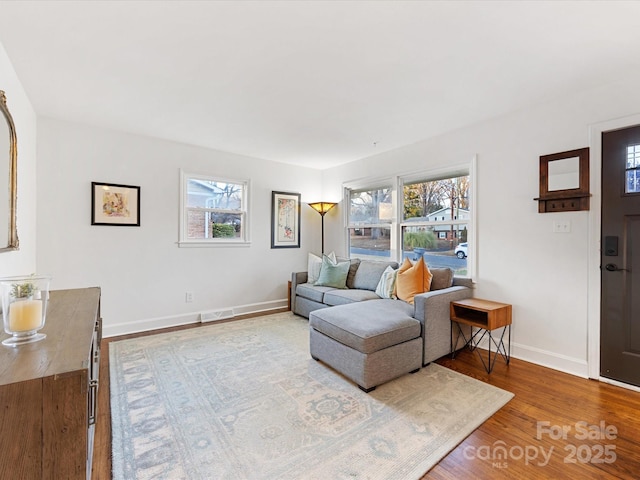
pixel 369 342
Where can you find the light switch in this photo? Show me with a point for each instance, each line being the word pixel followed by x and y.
pixel 562 226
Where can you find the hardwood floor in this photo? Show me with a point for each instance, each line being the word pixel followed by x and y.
pixel 556 426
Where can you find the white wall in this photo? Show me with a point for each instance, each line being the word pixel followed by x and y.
pixel 544 275
pixel 22 261
pixel 142 272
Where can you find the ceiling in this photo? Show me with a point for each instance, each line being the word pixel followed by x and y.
pixel 314 83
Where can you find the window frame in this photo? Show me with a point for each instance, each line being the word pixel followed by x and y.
pixel 244 212
pixel 397 182
pixel 635 169
pixel 373 184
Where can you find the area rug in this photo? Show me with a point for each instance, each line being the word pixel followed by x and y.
pixel 244 400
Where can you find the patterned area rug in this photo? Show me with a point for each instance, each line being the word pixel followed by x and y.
pixel 244 400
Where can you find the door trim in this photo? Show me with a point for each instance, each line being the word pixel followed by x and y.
pixel 594 289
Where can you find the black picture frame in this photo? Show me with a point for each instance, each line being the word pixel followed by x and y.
pixel 285 220
pixel 115 204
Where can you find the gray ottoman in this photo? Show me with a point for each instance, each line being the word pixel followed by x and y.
pixel 369 342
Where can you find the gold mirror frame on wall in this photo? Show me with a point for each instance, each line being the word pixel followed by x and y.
pixel 12 165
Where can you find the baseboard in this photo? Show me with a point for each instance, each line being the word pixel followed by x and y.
pixel 619 384
pixel 148 324
pixel 545 358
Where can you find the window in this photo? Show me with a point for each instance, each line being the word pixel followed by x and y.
pixel 369 224
pixel 632 183
pixel 435 220
pixel 213 210
pixel 419 215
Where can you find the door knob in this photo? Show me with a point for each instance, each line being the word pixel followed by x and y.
pixel 612 267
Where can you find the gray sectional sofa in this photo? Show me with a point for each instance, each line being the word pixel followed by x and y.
pixel 370 339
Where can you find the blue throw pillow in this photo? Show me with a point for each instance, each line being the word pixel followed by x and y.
pixel 333 274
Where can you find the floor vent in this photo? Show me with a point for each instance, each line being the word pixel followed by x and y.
pixel 214 315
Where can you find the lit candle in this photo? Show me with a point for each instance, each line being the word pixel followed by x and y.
pixel 25 315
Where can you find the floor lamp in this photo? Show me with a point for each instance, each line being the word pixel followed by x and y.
pixel 322 208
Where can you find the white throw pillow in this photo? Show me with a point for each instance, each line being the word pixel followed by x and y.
pixel 313 266
pixel 387 283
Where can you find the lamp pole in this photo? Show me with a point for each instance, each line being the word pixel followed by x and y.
pixel 322 208
pixel 322 222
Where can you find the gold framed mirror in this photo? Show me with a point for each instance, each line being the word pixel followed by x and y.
pixel 8 179
pixel 564 181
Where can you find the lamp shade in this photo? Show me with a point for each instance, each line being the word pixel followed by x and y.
pixel 322 207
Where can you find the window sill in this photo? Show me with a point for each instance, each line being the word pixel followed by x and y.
pixel 209 244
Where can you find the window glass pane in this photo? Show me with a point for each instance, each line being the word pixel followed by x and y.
pixel 371 206
pixel 632 185
pixel 225 225
pixel 212 194
pixel 633 156
pixel 437 200
pixel 370 242
pixel 441 245
pixel 202 224
pixel 632 180
pixel 196 224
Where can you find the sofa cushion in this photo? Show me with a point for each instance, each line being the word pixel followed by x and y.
pixel 369 273
pixel 333 274
pixel 442 278
pixel 312 292
pixel 341 297
pixel 412 280
pixel 367 326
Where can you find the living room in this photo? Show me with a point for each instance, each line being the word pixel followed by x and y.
pixel 551 279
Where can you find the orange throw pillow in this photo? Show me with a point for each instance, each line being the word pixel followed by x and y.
pixel 428 276
pixel 412 280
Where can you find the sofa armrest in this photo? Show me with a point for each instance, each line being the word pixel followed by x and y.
pixel 297 278
pixel 462 282
pixel 432 310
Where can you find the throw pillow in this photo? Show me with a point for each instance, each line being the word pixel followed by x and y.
pixel 333 274
pixel 442 278
pixel 313 266
pixel 355 262
pixel 412 280
pixel 387 284
pixel 428 276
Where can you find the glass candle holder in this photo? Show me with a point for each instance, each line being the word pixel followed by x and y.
pixel 24 307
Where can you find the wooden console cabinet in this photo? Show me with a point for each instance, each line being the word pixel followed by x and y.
pixel 48 393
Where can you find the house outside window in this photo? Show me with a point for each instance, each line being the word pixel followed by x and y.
pixel 445 231
pixel 213 210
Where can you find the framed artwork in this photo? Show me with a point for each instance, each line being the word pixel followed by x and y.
pixel 285 220
pixel 113 204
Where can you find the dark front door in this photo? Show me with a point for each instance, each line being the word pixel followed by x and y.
pixel 620 256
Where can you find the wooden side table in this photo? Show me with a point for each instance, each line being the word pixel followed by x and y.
pixel 484 316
